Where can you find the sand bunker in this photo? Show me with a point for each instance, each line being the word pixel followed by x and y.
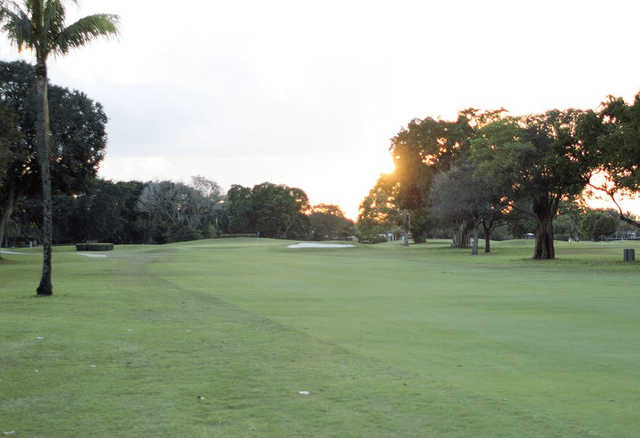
pixel 94 256
pixel 13 252
pixel 320 245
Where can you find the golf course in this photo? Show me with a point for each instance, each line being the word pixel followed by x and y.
pixel 250 338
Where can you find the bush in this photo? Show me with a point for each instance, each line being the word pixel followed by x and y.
pixel 597 224
pixel 227 235
pixel 500 233
pixel 94 246
pixel 372 238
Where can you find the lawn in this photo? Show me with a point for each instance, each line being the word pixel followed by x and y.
pixel 216 338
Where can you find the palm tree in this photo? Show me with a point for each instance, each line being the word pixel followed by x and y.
pixel 39 25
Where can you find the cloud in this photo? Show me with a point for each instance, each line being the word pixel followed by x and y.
pixel 302 93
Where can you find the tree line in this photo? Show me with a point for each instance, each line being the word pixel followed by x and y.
pixel 166 211
pixel 487 168
pixel 85 208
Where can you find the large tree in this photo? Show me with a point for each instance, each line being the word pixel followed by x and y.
pixel 379 212
pixel 598 224
pixel 611 138
pixel 239 210
pixel 176 212
pixel 39 25
pixel 104 212
pixel 421 150
pixel 537 161
pixel 424 149
pixel 467 200
pixel 329 223
pixel 79 139
pixel 273 210
pixel 8 136
pixel 281 211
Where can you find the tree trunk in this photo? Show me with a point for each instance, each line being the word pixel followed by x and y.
pixel 5 214
pixel 545 210
pixel 44 139
pixel 405 224
pixel 419 237
pixel 544 239
pixel 487 237
pixel 474 248
pixel 462 236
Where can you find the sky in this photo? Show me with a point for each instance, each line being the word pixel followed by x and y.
pixel 309 94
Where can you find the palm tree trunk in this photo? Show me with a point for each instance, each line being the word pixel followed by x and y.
pixel 44 138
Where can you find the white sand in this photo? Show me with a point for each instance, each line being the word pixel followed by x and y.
pixel 94 256
pixel 2 251
pixel 320 245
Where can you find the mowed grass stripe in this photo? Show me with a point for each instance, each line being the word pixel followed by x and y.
pixel 554 340
pixel 248 325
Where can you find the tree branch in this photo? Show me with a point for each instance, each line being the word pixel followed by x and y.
pixel 522 210
pixel 611 193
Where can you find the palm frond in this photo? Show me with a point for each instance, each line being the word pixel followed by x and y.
pixel 12 6
pixel 84 30
pixel 17 24
pixel 53 16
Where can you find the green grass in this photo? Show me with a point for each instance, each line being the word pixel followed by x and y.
pixel 216 338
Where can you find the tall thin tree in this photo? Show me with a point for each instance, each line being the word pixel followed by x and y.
pixel 39 26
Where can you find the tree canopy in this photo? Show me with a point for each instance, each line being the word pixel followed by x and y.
pixel 611 138
pixel 78 138
pixel 379 211
pixel 176 212
pixel 536 161
pixel 8 135
pixel 269 209
pixel 423 148
pixel 481 168
pixel 462 197
pixel 329 223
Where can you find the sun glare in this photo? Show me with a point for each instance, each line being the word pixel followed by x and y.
pixel 599 200
pixel 385 164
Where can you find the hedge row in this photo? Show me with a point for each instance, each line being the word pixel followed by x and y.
pixel 239 235
pixel 94 246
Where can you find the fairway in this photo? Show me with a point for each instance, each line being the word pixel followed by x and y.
pixel 217 338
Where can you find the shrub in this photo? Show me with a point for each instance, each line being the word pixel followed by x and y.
pixel 597 224
pixel 372 238
pixel 94 246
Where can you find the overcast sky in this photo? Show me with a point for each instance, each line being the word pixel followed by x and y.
pixel 309 94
